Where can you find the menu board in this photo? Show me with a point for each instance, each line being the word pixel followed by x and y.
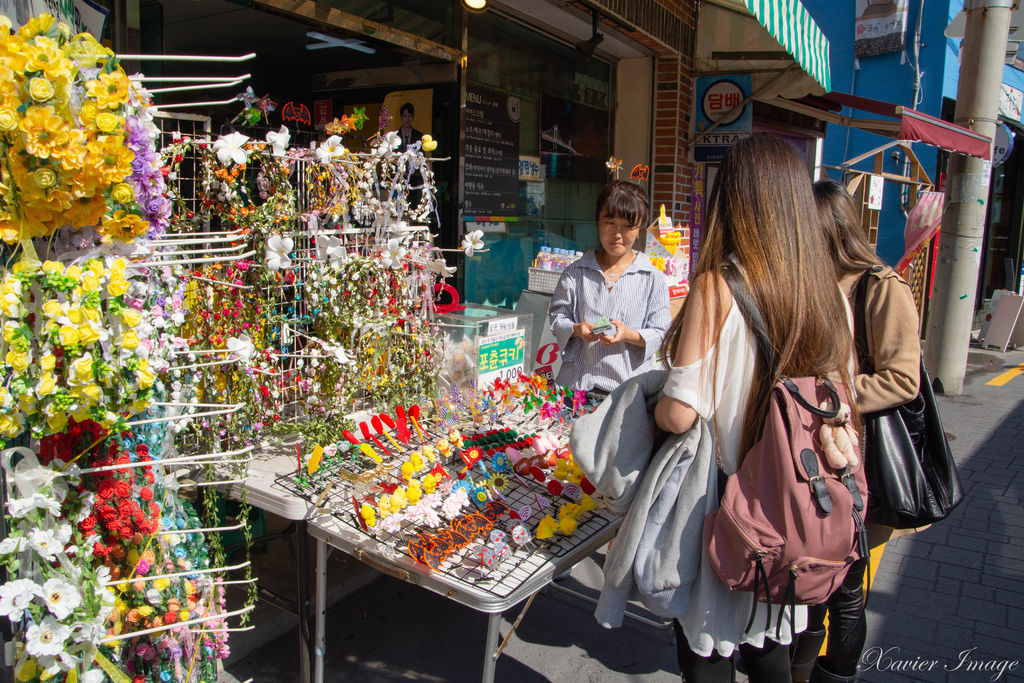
pixel 491 153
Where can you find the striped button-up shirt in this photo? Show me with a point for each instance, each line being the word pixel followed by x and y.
pixel 639 299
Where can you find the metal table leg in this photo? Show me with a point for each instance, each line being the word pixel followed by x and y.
pixel 490 658
pixel 320 636
pixel 302 565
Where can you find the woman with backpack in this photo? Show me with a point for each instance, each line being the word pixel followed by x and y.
pixel 762 224
pixel 894 352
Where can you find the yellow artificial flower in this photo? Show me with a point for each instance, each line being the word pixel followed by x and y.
pixel 91 314
pixel 44 131
pixel 128 340
pixel 161 584
pixel 86 51
pixel 110 90
pixel 48 362
pixel 123 226
pixel 44 54
pixel 90 392
pixel 18 360
pixel 75 315
pixel 73 271
pixel 9 426
pixel 40 89
pixel 145 375
pixel 53 267
pixel 68 335
pixel 145 610
pixel 52 308
pixel 57 421
pixel 122 193
pixel 140 405
pixel 37 25
pixel 90 283
pixel 27 403
pixel 47 385
pixel 87 212
pixel 88 113
pixel 8 120
pixel 81 370
pixel 96 266
pixel 10 327
pixel 45 177
pixel 88 334
pixel 131 317
pixel 107 122
pixel 117 285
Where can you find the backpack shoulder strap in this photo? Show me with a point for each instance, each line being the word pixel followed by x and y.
pixel 751 314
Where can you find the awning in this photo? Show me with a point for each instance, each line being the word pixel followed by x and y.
pixel 765 38
pixel 903 123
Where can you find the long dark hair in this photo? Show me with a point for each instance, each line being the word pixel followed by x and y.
pixel 762 213
pixel 840 223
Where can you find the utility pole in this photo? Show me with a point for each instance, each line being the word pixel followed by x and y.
pixel 982 52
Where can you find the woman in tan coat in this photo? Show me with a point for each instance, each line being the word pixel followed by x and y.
pixel 894 348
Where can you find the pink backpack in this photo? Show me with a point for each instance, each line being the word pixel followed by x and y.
pixel 789 525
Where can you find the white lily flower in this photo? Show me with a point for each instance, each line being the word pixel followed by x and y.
pixel 330 149
pixel 441 267
pixel 241 347
pixel 230 148
pixel 277 252
pixel 15 597
pixel 61 597
pixel 393 254
pixel 330 248
pixel 278 141
pixel 473 241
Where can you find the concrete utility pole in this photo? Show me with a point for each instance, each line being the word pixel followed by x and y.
pixel 982 52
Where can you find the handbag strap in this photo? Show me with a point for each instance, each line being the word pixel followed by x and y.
pixel 751 314
pixel 860 329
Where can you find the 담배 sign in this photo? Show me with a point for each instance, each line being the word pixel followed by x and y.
pixel 500 356
pixel 723 112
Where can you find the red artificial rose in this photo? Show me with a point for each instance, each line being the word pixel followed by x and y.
pixel 88 524
pixel 105 489
pixel 122 489
pixel 126 532
pixel 99 550
pixel 150 478
pixel 146 528
pixel 146 493
pixel 123 460
pixel 170 617
pixel 107 513
pixel 154 510
pixel 124 510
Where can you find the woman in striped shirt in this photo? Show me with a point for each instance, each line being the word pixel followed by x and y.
pixel 615 282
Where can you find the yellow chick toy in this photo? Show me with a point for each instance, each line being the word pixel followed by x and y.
pixel 368 515
pixel 444 448
pixel 398 499
pixel 546 527
pixel 384 505
pixel 429 452
pixel 455 437
pixel 567 526
pixel 587 503
pixel 417 461
pixel 414 492
pixel 429 483
pixel 569 510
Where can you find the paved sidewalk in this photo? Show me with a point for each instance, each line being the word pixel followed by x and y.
pixel 956 586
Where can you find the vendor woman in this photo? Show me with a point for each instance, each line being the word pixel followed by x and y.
pixel 615 282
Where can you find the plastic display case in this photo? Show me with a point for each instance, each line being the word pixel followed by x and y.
pixel 483 344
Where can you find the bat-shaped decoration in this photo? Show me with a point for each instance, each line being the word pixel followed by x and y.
pixel 298 113
pixel 639 172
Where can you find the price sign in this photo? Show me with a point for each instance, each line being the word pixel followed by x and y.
pixel 500 356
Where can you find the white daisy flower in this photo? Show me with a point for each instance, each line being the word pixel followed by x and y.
pixel 61 597
pixel 15 597
pixel 473 241
pixel 46 638
pixel 277 252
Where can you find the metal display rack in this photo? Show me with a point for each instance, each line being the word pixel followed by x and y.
pixel 333 523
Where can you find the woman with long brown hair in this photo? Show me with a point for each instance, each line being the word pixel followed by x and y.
pixel 889 376
pixel 762 222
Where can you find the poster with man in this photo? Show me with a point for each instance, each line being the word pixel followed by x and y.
pixel 880 26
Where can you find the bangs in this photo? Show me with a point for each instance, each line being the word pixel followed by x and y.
pixel 625 201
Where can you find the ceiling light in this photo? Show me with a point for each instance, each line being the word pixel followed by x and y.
pixel 475 6
pixel 587 47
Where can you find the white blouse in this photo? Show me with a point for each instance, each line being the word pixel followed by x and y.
pixel 716 616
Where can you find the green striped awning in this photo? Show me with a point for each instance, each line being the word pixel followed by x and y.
pixel 789 23
pixel 762 37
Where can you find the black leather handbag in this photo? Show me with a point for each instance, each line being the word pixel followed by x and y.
pixel 912 478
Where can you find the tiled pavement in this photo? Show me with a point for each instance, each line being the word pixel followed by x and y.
pixel 950 599
pixel 956 586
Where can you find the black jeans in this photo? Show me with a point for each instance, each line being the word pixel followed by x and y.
pixel 769 664
pixel 848 628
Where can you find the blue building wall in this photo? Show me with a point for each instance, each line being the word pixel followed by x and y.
pixel 888 77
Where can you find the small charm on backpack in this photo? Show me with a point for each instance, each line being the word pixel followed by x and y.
pixel 839 440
